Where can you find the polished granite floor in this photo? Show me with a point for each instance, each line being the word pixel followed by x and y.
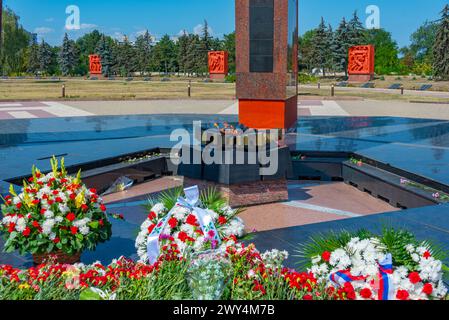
pixel 418 146
pixel 414 145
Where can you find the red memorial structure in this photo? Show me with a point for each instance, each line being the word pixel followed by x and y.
pixel 95 65
pixel 218 64
pixel 361 63
pixel 267 63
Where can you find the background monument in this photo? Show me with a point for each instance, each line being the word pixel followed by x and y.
pixel 218 64
pixel 361 63
pixel 267 62
pixel 95 68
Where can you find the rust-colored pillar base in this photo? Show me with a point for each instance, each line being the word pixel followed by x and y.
pixel 266 114
pixel 217 76
pixel 362 78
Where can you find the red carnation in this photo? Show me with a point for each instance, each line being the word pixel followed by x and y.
pixel 50 202
pixel 43 211
pixel 151 228
pixel 101 222
pixel 103 207
pixel 307 297
pixel 72 196
pixel 36 224
pixel 183 236
pixel 93 190
pixel 427 255
pixel 191 219
pixel 19 205
pixel 366 293
pixel 222 220
pixel 326 256
pixel 349 290
pixel 173 223
pixel 414 277
pixel 36 202
pixel 11 227
pixel 26 232
pixel 428 289
pixel 84 207
pixel 74 230
pixel 71 217
pixel 402 295
pixel 152 215
pixel 57 240
pixel 55 192
pixel 59 200
pixel 30 179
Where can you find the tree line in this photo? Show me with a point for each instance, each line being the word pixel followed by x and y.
pixel 186 54
pixel 327 50
pixel 322 48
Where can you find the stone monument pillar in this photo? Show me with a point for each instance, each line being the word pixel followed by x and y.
pixel 361 63
pixel 95 68
pixel 218 64
pixel 267 63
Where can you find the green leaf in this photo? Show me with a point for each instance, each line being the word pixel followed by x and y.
pixel 88 294
pixel 94 224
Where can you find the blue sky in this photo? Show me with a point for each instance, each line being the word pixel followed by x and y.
pixel 130 17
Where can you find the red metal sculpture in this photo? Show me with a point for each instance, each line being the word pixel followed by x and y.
pixel 218 64
pixel 95 65
pixel 361 63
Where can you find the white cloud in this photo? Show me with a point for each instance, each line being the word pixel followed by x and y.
pixel 119 36
pixel 43 30
pixel 198 29
pixel 182 32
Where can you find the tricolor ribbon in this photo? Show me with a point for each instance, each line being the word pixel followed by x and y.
pixel 190 202
pixel 386 288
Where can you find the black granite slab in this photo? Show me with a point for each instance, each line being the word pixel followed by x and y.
pixel 428 223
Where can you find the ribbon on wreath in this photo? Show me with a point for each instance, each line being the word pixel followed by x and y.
pixel 190 202
pixel 386 288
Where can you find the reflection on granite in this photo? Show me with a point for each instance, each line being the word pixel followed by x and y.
pixel 86 139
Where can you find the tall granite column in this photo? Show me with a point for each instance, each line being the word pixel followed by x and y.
pixel 267 62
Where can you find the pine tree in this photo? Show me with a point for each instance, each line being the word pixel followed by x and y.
pixel 126 58
pixel 183 45
pixel 33 59
pixel 45 56
pixel 164 57
pixel 194 55
pixel 441 47
pixel 321 47
pixel 67 56
pixel 206 45
pixel 107 62
pixel 330 54
pixel 356 31
pixel 143 52
pixel 341 47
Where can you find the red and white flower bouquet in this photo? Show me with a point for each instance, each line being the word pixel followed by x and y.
pixel 391 267
pixel 184 227
pixel 54 214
